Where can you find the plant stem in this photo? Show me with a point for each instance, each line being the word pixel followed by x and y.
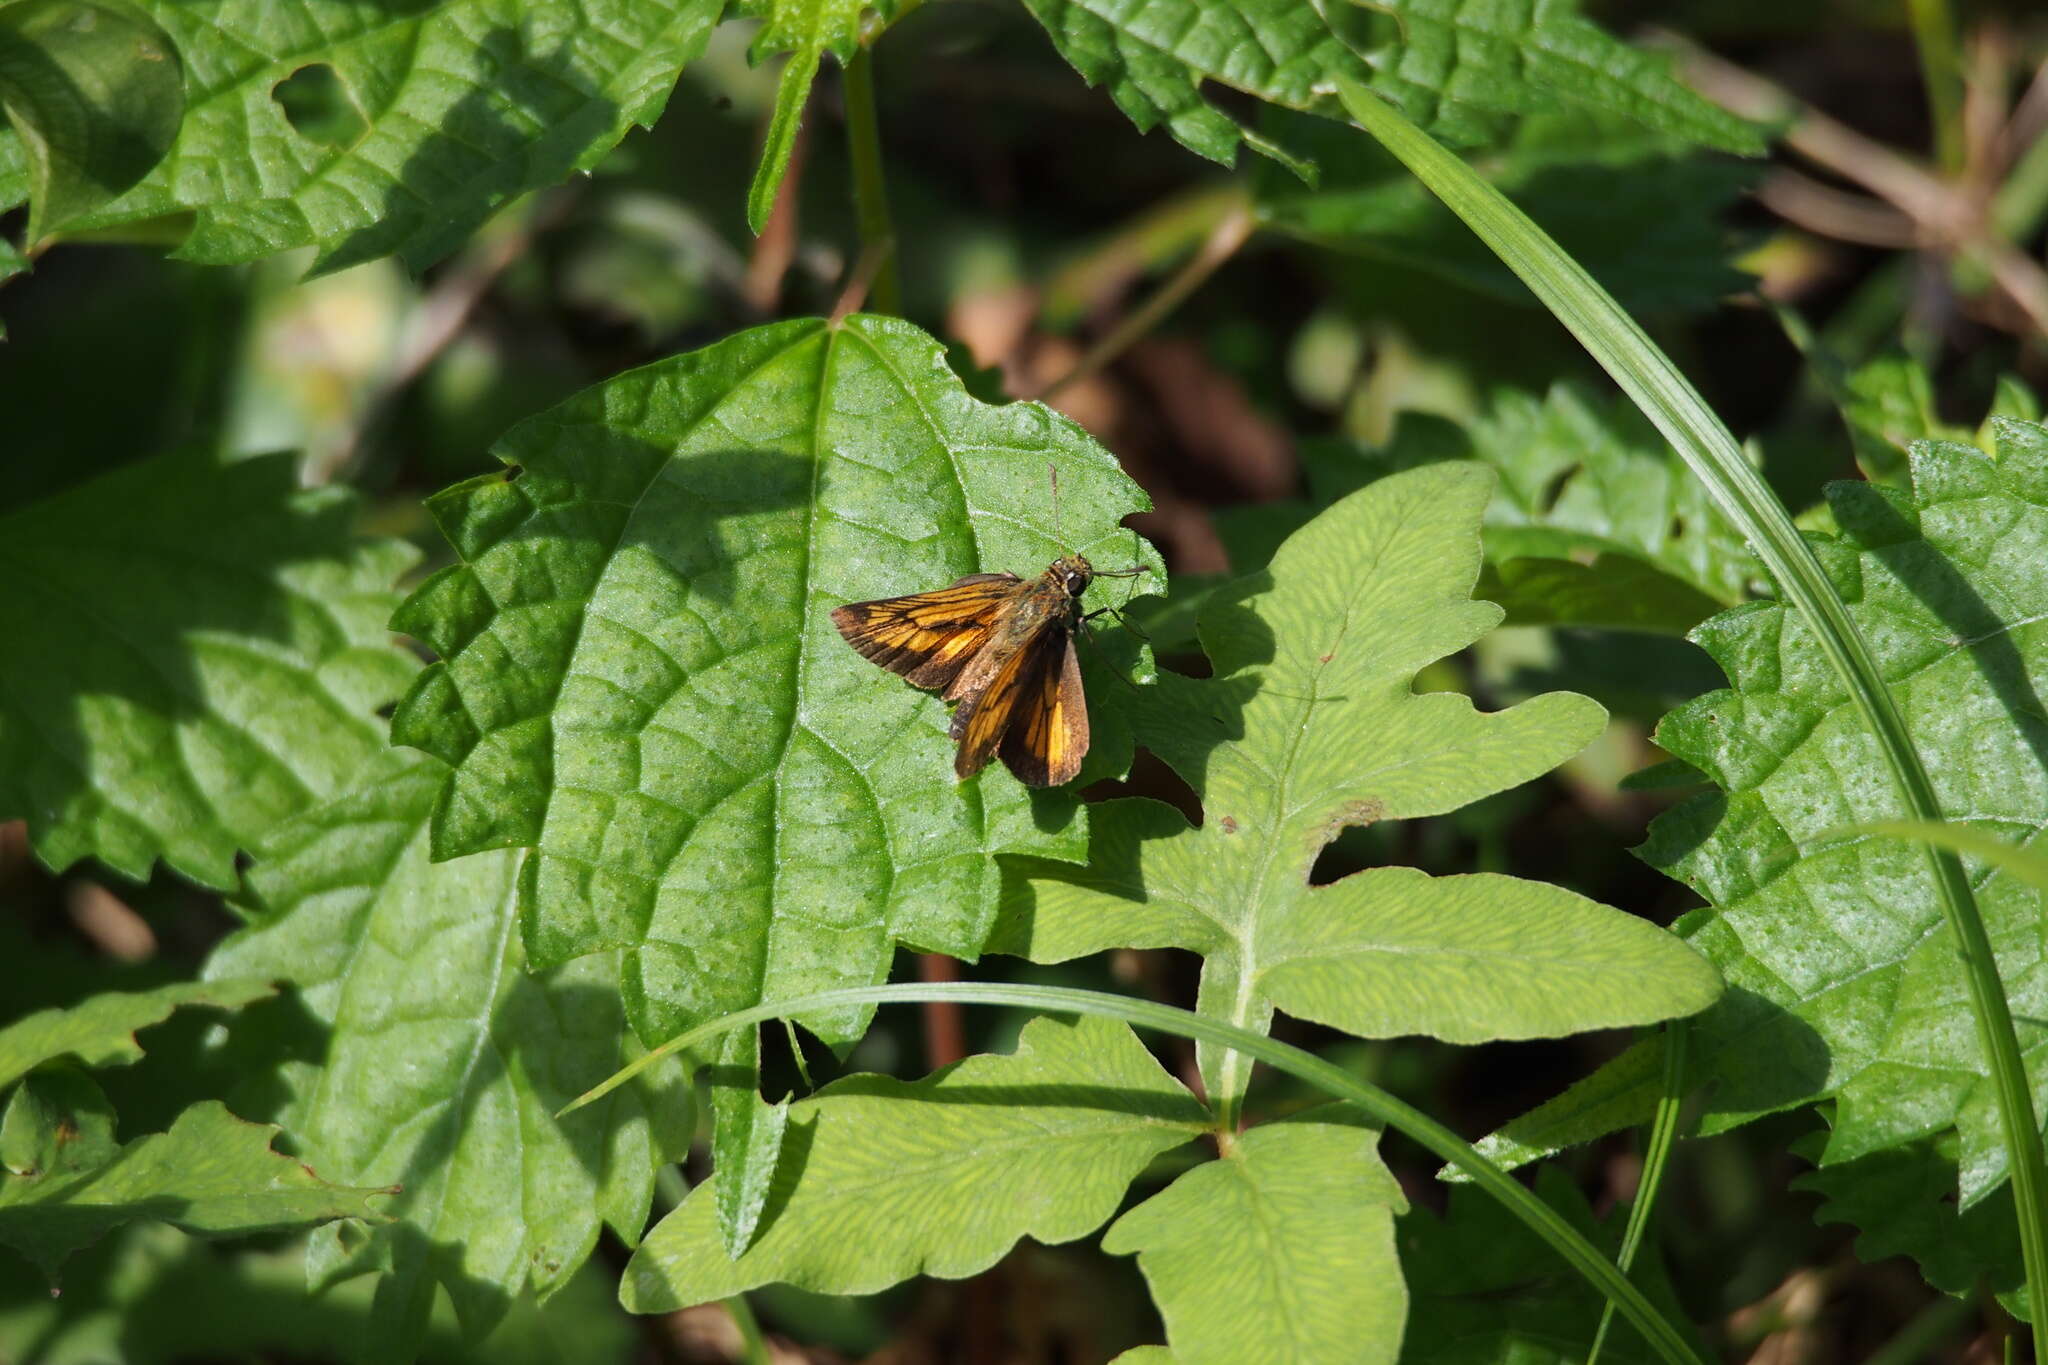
pixel 1230 233
pixel 1934 36
pixel 870 190
pixel 1663 1136
pixel 753 1344
pixel 1647 375
pixel 1333 1080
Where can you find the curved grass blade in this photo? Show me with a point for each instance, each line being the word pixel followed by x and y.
pixel 1669 401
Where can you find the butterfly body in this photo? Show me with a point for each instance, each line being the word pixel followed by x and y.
pixel 1002 648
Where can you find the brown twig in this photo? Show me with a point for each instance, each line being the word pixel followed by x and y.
pixel 1232 231
pixel 1823 209
pixel 1948 216
pixel 945 1035
pixel 439 317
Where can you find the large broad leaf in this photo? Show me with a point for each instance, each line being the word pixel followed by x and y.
pixel 1282 1250
pixel 433 1061
pixel 211 1173
pixel 642 682
pixel 1310 724
pixel 1461 69
pixel 456 107
pixel 195 652
pixel 1649 221
pixel 882 1179
pixel 1595 523
pixel 1843 978
pixel 101 1031
pixel 95 92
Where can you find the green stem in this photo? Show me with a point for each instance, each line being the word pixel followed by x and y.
pixel 1663 1137
pixel 1647 375
pixel 870 190
pixel 1545 1221
pixel 753 1342
pixel 1934 36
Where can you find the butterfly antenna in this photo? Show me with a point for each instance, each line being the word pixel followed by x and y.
pixel 1058 532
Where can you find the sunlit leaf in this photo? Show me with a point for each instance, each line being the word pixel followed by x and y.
pixel 463 104
pixel 1281 1250
pixel 883 1179
pixel 1461 69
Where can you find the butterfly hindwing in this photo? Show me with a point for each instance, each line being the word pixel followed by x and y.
pixel 1032 713
pixel 928 637
pixel 1048 736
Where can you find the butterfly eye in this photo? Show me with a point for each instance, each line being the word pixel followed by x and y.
pixel 1076 584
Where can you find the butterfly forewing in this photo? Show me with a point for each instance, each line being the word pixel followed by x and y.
pixel 929 637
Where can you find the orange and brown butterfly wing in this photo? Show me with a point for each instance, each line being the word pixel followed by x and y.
pixel 928 637
pixel 1048 735
pixel 1032 712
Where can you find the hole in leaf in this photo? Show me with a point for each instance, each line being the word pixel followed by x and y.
pixel 317 106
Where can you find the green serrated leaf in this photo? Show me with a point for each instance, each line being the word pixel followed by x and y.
pixel 806 30
pixel 1460 68
pixel 436 1062
pixel 95 90
pixel 1282 1250
pixel 211 1174
pixel 883 1179
pixel 465 105
pixel 174 692
pixel 1486 1290
pixel 1843 980
pixel 1903 1203
pixel 641 679
pixel 1594 523
pixel 1643 217
pixel 101 1031
pixel 1311 724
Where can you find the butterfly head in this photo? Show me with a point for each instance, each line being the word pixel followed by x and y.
pixel 1074 573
